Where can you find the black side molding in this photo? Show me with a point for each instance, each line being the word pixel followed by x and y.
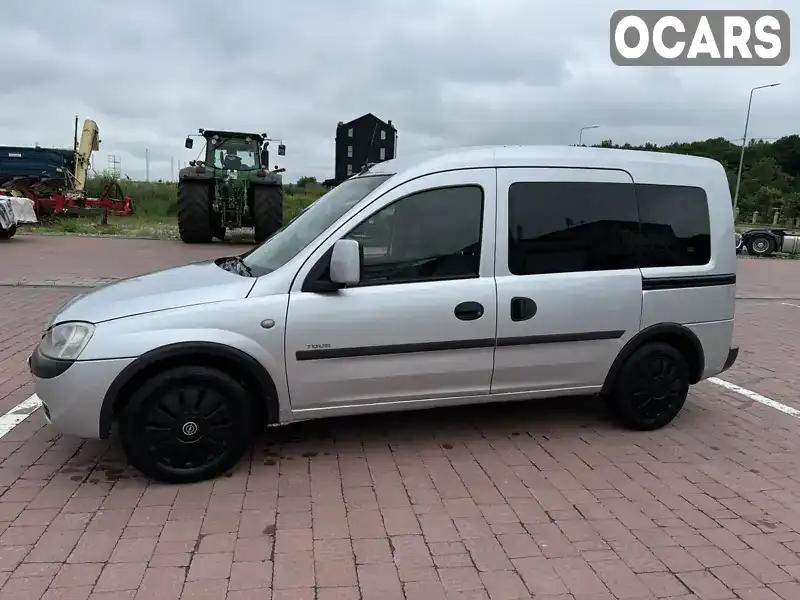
pixel 361 351
pixel 560 338
pixel 687 281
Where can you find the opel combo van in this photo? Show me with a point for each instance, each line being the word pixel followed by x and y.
pixel 472 275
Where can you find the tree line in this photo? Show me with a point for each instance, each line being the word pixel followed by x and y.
pixel 770 176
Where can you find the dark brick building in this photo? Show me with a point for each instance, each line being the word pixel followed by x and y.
pixel 362 140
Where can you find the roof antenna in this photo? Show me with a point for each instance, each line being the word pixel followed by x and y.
pixel 368 164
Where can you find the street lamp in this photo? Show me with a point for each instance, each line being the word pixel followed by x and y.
pixel 744 143
pixel 580 135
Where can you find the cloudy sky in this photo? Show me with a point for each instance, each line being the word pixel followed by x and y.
pixel 447 72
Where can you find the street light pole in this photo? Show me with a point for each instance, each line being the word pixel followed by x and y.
pixel 744 143
pixel 580 135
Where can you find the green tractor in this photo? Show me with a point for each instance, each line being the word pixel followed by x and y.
pixel 233 187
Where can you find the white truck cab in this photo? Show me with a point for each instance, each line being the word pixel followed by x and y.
pixel 472 275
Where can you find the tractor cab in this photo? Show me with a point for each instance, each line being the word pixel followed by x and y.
pixel 236 151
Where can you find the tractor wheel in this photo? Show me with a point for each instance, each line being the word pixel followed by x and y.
pixel 8 233
pixel 218 227
pixel 194 212
pixel 267 210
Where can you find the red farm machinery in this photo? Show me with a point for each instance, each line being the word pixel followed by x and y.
pixel 55 179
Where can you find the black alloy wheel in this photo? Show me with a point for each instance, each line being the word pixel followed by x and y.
pixel 651 388
pixel 188 424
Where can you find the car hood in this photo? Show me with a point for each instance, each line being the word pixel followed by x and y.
pixel 198 283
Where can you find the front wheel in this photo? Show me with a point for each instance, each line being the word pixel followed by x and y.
pixel 651 387
pixel 194 212
pixel 188 424
pixel 6 234
pixel 267 211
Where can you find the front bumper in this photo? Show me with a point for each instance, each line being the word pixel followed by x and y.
pixel 733 354
pixel 72 392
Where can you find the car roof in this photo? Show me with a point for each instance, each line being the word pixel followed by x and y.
pixel 534 156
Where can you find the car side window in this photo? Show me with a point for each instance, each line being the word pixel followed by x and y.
pixel 569 227
pixel 427 236
pixel 676 229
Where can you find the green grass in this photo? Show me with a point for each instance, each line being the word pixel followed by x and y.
pixel 155 207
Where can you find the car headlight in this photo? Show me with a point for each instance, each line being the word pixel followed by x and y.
pixel 66 341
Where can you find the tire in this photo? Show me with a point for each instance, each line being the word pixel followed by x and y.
pixel 156 424
pixel 656 375
pixel 6 234
pixel 194 212
pixel 218 227
pixel 267 211
pixel 760 245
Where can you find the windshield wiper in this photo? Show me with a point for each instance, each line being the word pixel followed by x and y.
pixel 238 266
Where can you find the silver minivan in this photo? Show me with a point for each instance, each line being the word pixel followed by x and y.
pixel 472 275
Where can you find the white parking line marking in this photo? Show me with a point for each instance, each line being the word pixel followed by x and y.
pixel 755 396
pixel 790 304
pixel 18 414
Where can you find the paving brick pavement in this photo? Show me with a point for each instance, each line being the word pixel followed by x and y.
pixel 544 500
pixel 70 260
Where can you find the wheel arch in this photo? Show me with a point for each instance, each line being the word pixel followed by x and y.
pixel 674 334
pixel 219 356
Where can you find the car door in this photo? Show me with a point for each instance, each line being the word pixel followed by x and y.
pixel 568 287
pixel 421 324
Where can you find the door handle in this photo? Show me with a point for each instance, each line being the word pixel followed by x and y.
pixel 468 311
pixel 522 308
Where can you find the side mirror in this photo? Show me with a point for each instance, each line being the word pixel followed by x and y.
pixel 346 262
pixel 189 143
pixel 281 150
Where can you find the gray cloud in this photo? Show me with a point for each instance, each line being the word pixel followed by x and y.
pixel 447 72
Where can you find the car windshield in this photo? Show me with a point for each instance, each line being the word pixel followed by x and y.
pixel 234 153
pixel 309 224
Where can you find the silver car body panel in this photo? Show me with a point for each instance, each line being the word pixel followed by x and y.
pixel 203 302
pixel 197 283
pixel 74 398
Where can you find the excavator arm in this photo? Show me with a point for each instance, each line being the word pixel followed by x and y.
pixel 90 142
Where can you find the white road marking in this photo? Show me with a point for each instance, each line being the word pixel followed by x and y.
pixel 790 304
pixel 755 396
pixel 18 414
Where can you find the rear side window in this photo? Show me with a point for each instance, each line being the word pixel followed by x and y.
pixel 568 227
pixel 675 225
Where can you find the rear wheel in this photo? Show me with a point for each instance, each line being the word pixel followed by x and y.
pixel 267 210
pixel 651 387
pixel 8 233
pixel 760 245
pixel 194 212
pixel 188 424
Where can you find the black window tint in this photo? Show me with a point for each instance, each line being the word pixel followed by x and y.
pixel 435 234
pixel 566 227
pixel 675 225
